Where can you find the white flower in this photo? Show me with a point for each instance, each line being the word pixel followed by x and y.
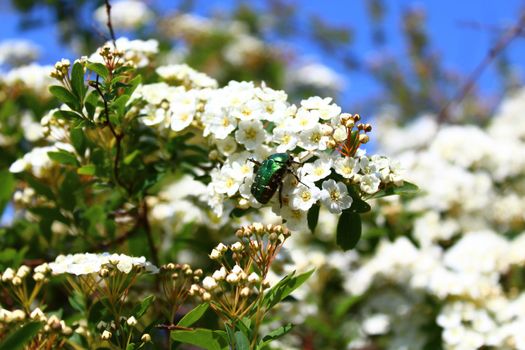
pixel 295 219
pixel 305 119
pixel 183 107
pixel 285 139
pixel 304 196
pixel 370 183
pixel 227 181
pixel 317 170
pixel 347 167
pixel 218 124
pixel 226 146
pixel 250 133
pixel 313 139
pixel 335 196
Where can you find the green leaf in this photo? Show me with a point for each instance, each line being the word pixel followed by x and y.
pixel 63 157
pixel 342 307
pixel 18 338
pixel 7 186
pixel 360 206
pixel 275 334
pixel 241 341
pixel 130 157
pixel 77 81
pixel 98 68
pixel 143 307
pixel 193 316
pixel 77 301
pixel 204 338
pixel 348 230
pixel 313 217
pixel 131 346
pixel 78 140
pixel 64 96
pixel 284 288
pixel 120 104
pixel 91 103
pixel 89 169
pixel 406 188
pixel 68 115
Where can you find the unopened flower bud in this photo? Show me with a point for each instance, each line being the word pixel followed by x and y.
pixel 232 278
pixel 254 278
pixel 132 321
pixel 16 281
pixel 245 292
pixel 206 296
pixel 106 335
pixel 237 247
pixel 363 138
pixel 146 338
pixel 209 283
pixel 39 277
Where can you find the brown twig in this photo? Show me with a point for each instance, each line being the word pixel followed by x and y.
pixel 118 138
pixel 494 51
pixel 110 25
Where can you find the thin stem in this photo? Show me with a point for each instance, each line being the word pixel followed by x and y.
pixel 498 48
pixel 147 228
pixel 118 138
pixel 110 26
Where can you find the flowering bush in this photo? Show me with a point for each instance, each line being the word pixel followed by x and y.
pixel 127 129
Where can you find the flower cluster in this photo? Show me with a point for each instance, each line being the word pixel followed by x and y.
pixel 467 238
pixel 236 288
pixel 90 263
pixel 245 123
pixel 176 282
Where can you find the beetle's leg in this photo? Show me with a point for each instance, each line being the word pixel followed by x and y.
pixel 257 164
pixel 281 194
pixel 297 178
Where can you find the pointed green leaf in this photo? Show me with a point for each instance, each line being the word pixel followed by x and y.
pixel 275 334
pixel 406 188
pixel 7 186
pixel 241 341
pixel 98 68
pixel 204 338
pixel 348 230
pixel 91 103
pixel 65 96
pixel 284 288
pixel 63 157
pixel 193 316
pixel 313 217
pixel 77 81
pixel 87 170
pixel 19 337
pixel 143 306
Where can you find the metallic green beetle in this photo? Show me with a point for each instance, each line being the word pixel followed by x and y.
pixel 269 176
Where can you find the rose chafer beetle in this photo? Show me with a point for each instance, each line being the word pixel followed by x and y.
pixel 269 176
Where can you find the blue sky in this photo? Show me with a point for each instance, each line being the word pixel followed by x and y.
pixel 461 47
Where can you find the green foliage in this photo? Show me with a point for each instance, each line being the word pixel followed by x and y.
pixel 284 288
pixel 203 338
pixel 20 337
pixel 348 230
